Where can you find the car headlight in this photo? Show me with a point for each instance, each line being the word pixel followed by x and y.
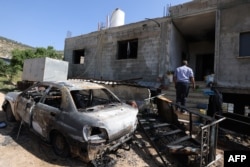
pixel 94 134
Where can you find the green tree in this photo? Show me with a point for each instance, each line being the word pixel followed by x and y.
pixel 4 69
pixel 18 56
pixel 7 71
pixel 53 54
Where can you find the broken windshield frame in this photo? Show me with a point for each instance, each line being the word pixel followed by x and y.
pixel 92 97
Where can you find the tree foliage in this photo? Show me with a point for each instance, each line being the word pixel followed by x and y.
pixel 18 57
pixel 4 69
pixel 7 71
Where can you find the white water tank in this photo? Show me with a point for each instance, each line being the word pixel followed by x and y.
pixel 117 18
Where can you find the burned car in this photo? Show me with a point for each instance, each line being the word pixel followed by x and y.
pixel 77 117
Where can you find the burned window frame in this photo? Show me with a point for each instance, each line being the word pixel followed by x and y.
pixel 127 49
pixel 35 92
pixel 78 56
pixel 87 98
pixel 244 44
pixel 53 98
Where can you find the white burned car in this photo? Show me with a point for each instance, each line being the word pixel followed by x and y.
pixel 77 117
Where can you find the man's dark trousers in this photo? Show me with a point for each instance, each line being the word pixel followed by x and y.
pixel 182 89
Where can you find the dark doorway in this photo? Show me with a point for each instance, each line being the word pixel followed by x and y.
pixel 240 101
pixel 204 66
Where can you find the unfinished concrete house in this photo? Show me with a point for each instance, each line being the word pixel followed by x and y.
pixel 213 35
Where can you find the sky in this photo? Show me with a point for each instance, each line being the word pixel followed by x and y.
pixel 43 23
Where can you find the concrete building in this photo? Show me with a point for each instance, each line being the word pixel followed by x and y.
pixel 213 35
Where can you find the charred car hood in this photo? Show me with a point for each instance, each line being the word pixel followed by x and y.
pixel 117 119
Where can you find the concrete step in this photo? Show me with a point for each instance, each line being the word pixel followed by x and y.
pixel 192 93
pixel 195 97
pixel 197 83
pixel 185 116
pixel 190 98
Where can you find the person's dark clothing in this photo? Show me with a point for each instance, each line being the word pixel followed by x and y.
pixel 215 103
pixel 182 90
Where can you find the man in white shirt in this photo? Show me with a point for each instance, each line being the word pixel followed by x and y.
pixel 183 75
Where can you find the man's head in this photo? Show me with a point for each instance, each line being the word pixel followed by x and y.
pixel 185 62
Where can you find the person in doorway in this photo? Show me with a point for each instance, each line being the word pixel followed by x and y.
pixel 183 76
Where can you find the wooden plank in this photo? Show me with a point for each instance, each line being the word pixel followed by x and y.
pixel 164 99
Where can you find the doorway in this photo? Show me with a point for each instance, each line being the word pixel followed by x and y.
pixel 204 66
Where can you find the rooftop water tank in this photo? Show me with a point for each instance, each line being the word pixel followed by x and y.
pixel 117 18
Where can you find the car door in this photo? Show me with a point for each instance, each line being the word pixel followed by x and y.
pixel 27 100
pixel 45 112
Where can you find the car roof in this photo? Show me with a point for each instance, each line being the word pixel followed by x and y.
pixel 74 84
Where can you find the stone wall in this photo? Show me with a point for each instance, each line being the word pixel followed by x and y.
pixel 101 52
pixel 232 70
pixel 193 7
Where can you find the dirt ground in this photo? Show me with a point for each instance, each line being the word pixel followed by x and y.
pixel 29 150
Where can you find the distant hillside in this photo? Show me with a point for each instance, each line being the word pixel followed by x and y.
pixel 7 45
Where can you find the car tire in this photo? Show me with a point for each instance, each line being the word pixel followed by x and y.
pixel 60 145
pixel 9 114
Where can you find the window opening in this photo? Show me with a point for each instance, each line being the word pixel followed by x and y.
pixel 127 49
pixel 35 93
pixel 53 98
pixel 92 97
pixel 244 44
pixel 78 56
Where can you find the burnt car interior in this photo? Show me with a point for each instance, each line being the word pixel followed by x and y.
pixel 82 98
pixel 35 93
pixel 53 97
pixel 92 97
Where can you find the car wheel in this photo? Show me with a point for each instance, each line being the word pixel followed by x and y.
pixel 60 145
pixel 9 114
